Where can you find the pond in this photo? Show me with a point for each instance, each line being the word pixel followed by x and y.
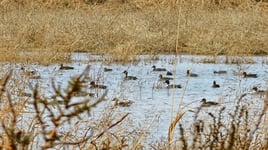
pixel 154 106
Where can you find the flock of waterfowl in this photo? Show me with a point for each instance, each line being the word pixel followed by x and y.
pixel 163 79
pixel 204 102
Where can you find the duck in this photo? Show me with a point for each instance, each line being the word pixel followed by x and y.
pixel 220 72
pixel 122 103
pixel 189 74
pixel 158 69
pixel 246 75
pixel 62 67
pixel 161 78
pixel 28 72
pixel 83 94
pixel 259 92
pixel 35 77
pixel 107 69
pixel 206 103
pixel 129 77
pixel 172 85
pixel 215 85
pixel 169 73
pixel 32 74
pixel 27 94
pixel 97 86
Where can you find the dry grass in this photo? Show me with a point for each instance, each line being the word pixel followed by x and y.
pixel 37 31
pixel 224 129
pixel 37 121
pixel 136 27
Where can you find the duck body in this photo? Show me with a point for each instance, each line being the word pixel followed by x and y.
pixel 83 94
pixel 220 72
pixel 107 69
pixel 189 74
pixel 122 103
pixel 97 86
pixel 161 78
pixel 169 73
pixel 32 74
pixel 257 90
pixel 215 85
pixel 206 103
pixel 158 69
pixel 35 77
pixel 62 67
pixel 260 92
pixel 246 75
pixel 129 77
pixel 172 85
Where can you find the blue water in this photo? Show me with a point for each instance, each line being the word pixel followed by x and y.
pixel 155 108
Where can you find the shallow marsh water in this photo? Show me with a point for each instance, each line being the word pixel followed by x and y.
pixel 156 107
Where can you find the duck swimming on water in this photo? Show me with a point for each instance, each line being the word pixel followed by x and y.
pixel 97 86
pixel 122 103
pixel 250 75
pixel 158 69
pixel 127 77
pixel 206 103
pixel 107 69
pixel 172 85
pixel 62 67
pixel 189 74
pixel 215 85
pixel 260 92
pixel 161 78
pixel 220 72
pixel 169 73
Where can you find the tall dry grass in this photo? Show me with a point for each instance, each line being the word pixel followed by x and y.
pixel 237 128
pixel 133 27
pixel 36 121
pixel 59 121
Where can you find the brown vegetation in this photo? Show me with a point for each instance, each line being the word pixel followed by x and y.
pixel 49 31
pixel 37 121
pixel 123 28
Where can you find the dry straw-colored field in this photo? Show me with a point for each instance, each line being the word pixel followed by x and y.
pixel 123 28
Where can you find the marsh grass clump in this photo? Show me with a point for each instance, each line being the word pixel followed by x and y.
pixel 59 120
pixel 238 129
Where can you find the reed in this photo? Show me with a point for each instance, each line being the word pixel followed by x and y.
pixel 36 121
pixel 237 129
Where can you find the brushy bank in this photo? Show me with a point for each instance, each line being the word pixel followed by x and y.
pixel 123 28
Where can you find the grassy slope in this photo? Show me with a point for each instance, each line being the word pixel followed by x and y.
pixel 139 27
